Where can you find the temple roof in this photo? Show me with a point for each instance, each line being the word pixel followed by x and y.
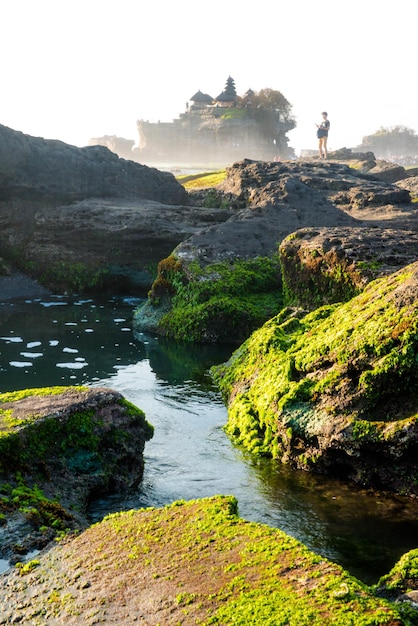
pixel 226 96
pixel 202 97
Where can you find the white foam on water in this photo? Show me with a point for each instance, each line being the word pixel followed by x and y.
pixel 72 366
pixel 12 339
pixel 33 344
pixel 20 363
pixel 31 355
pixel 70 350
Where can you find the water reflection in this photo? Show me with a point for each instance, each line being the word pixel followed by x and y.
pixel 91 342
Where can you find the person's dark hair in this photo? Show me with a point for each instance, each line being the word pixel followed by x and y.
pixel 324 113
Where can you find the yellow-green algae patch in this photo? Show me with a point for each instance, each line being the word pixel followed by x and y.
pixel 222 302
pixel 344 377
pixel 190 563
pixel 202 179
pixel 9 422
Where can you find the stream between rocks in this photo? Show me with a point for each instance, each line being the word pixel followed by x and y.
pixel 64 341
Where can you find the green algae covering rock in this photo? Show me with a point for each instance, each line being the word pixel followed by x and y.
pixel 335 390
pixel 189 563
pixel 58 447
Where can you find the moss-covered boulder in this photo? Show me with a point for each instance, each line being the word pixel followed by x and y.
pixel 334 390
pixel 58 446
pixel 221 302
pixel 189 563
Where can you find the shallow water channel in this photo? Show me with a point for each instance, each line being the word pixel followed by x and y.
pixel 59 340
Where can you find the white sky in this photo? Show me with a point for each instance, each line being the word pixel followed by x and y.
pixel 76 69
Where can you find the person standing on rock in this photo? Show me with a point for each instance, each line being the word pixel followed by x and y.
pixel 322 134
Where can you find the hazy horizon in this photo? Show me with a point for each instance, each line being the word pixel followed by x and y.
pixel 78 70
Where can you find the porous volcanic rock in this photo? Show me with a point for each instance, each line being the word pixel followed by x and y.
pixel 326 265
pixel 277 199
pixel 271 201
pixel 334 391
pixel 58 447
pixel 411 184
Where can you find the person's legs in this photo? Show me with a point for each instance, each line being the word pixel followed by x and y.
pixel 324 144
pixel 320 144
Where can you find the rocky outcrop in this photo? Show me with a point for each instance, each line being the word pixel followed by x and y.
pixel 58 447
pixel 334 391
pixel 271 201
pixel 411 184
pixel 189 563
pixel 34 169
pixel 82 218
pixel 327 265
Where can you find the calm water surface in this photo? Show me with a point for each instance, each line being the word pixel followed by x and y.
pixel 81 341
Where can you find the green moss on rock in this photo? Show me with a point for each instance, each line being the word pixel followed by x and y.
pixel 336 389
pixel 223 302
pixel 210 566
pixel 59 445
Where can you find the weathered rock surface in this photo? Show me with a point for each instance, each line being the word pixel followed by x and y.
pixel 189 563
pixel 36 169
pixel 273 200
pixel 276 199
pixel 83 217
pixel 58 447
pixel 326 265
pixel 411 184
pixel 334 391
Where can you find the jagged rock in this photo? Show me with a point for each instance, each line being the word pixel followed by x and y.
pixel 388 172
pixel 334 391
pixel 410 184
pixel 58 447
pixel 326 265
pixel 273 200
pixel 279 198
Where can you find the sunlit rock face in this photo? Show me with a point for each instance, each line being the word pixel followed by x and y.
pixel 334 390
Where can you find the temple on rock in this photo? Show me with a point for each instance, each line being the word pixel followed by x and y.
pixel 215 130
pixel 222 129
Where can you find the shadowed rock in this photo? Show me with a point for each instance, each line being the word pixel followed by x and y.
pixel 58 447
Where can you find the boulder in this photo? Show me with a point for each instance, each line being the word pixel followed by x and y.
pixel 334 391
pixel 58 447
pixel 327 265
pixel 51 173
pixel 411 185
pixel 84 219
pixel 188 563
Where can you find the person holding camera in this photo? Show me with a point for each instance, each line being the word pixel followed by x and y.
pixel 322 134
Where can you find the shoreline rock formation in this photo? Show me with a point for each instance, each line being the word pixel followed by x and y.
pixel 325 217
pixel 334 391
pixel 58 447
pixel 192 563
pixel 82 219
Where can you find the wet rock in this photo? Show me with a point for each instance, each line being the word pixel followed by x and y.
pixel 334 391
pixel 58 447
